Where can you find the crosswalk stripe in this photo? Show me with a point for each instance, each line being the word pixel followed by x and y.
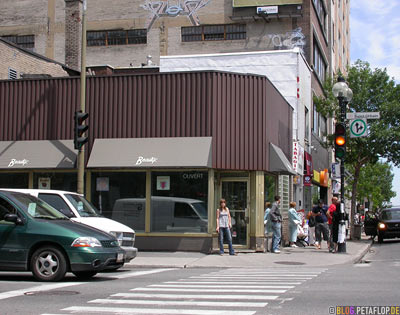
pixel 237 282
pixel 119 310
pixel 251 278
pixel 190 303
pixel 200 296
pixel 207 290
pixel 263 275
pixel 221 286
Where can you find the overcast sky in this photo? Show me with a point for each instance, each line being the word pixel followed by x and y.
pixel 375 37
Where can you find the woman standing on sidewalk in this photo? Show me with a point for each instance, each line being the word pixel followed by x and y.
pixel 294 220
pixel 224 225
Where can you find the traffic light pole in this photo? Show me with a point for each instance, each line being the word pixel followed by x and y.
pixel 342 224
pixel 81 152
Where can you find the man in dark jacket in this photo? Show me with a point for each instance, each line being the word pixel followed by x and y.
pixel 321 223
pixel 276 219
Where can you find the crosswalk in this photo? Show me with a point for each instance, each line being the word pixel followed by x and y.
pixel 230 291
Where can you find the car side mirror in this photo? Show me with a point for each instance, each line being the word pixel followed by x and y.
pixel 10 217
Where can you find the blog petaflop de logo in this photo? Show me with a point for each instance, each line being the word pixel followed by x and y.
pixel 18 162
pixel 142 159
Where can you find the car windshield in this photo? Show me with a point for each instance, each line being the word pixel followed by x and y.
pixel 201 209
pixel 391 214
pixel 83 206
pixel 37 208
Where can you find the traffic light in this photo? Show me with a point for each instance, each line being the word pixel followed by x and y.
pixel 340 140
pixel 80 129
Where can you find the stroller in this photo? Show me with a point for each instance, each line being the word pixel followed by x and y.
pixel 302 236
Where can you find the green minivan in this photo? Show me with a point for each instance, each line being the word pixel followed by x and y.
pixel 36 237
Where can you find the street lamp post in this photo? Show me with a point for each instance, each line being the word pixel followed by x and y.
pixel 344 94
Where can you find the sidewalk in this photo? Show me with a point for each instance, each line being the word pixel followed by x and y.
pixel 289 257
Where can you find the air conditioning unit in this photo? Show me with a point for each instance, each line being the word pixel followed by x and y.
pixel 267 10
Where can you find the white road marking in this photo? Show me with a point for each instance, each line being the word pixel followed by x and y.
pixel 124 275
pixel 207 290
pixel 94 309
pixel 43 287
pixel 194 296
pixel 53 286
pixel 190 303
pixel 255 282
pixel 221 286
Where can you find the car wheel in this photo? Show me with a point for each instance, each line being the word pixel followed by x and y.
pixel 48 264
pixel 380 238
pixel 84 274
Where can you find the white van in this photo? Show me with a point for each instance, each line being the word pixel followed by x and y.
pixel 78 209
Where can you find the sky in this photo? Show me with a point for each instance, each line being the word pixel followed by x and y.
pixel 375 38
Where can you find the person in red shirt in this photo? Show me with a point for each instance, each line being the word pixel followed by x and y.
pixel 329 214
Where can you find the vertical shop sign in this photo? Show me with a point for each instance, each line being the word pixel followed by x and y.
pixel 298 158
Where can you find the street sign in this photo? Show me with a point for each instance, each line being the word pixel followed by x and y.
pixel 358 128
pixel 366 115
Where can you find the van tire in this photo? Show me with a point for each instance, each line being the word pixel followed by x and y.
pixel 84 275
pixel 48 263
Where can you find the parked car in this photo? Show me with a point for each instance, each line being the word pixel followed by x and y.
pixel 385 225
pixel 79 209
pixel 36 237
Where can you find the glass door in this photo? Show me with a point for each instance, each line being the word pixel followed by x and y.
pixel 236 195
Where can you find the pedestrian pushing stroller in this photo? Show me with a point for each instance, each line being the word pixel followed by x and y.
pixel 301 237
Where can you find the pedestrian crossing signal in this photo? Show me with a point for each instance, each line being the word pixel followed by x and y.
pixel 340 140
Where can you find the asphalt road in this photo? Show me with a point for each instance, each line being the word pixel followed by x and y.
pixel 291 290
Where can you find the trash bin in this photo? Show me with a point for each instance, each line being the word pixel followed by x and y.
pixel 357 232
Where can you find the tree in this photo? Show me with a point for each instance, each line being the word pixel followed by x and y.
pixel 373 91
pixel 375 185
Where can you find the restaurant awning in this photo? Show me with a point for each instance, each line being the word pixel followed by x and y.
pixel 51 154
pixel 278 162
pixel 151 152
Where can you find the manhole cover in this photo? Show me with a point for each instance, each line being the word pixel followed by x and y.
pixel 289 263
pixel 51 293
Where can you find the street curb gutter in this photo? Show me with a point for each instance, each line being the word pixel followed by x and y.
pixel 359 258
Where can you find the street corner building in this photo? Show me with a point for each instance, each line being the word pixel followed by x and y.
pixel 163 149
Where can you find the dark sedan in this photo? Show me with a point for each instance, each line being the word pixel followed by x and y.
pixel 385 225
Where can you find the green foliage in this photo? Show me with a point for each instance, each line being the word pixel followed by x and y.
pixel 374 91
pixel 375 184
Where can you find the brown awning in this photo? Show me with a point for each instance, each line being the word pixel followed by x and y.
pixel 259 3
pixel 278 162
pixel 50 154
pixel 151 152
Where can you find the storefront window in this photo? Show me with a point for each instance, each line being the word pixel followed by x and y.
pixel 121 196
pixel 55 180
pixel 269 188
pixel 16 180
pixel 179 201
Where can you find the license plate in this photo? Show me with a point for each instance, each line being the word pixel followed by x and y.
pixel 120 257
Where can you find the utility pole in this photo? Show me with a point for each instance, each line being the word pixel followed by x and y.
pixel 81 152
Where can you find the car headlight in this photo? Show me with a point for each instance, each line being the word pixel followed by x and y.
pixel 381 226
pixel 86 241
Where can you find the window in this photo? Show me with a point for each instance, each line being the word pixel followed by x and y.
pixel 24 41
pixel 58 203
pixel 56 180
pixel 307 124
pixel 213 32
pixel 315 125
pixel 120 37
pixel 121 196
pixel 14 180
pixel 319 63
pixel 179 202
pixel 319 8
